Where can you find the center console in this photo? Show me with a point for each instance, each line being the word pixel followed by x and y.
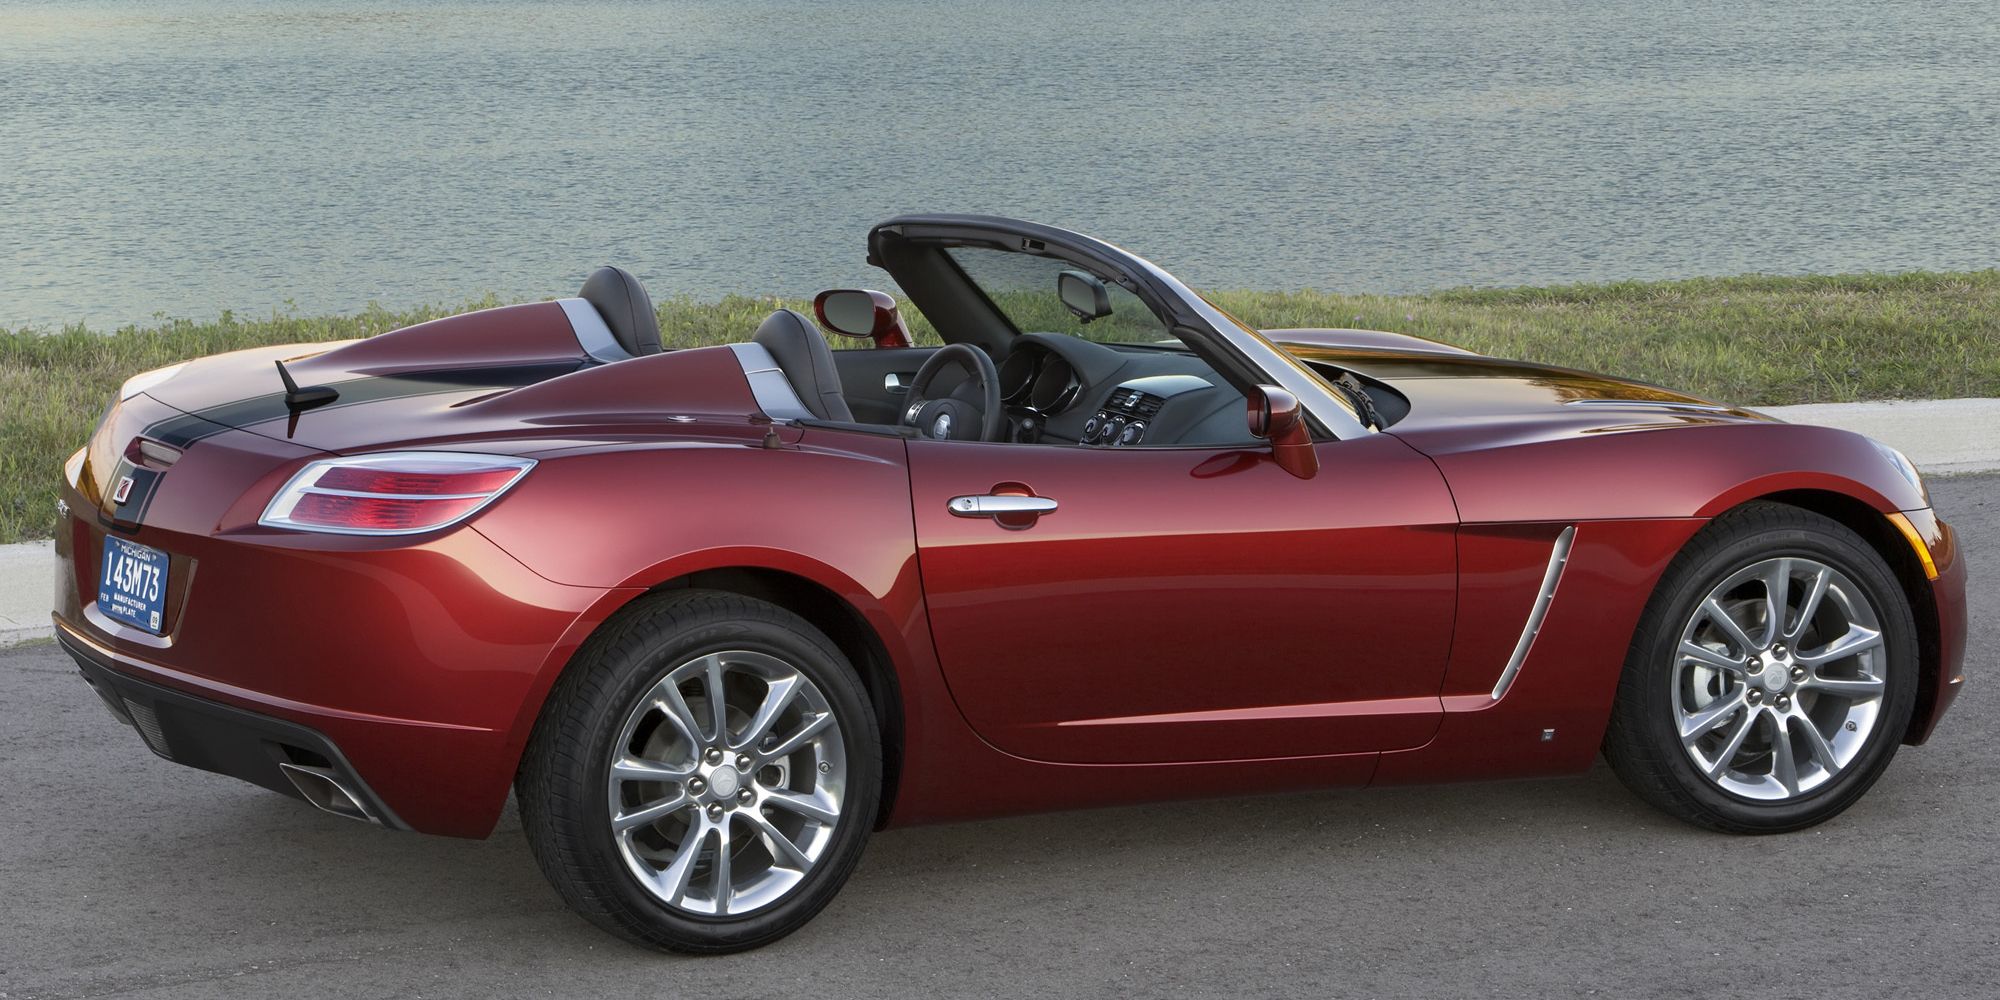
pixel 1132 407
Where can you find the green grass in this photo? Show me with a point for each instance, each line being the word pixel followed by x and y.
pixel 1752 340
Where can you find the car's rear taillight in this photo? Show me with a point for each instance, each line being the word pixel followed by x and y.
pixel 396 493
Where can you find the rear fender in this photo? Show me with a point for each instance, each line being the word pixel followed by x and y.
pixel 832 510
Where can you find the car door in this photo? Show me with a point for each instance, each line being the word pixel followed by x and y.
pixel 1182 604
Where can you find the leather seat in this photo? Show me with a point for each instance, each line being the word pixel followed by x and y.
pixel 626 308
pixel 800 350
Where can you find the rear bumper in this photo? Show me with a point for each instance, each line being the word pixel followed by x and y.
pixel 209 735
pixel 423 662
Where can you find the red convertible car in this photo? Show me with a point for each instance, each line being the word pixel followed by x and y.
pixel 715 614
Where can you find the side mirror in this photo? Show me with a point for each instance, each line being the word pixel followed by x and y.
pixel 1083 294
pixel 860 312
pixel 1276 417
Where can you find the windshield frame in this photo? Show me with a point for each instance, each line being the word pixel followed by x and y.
pixel 909 245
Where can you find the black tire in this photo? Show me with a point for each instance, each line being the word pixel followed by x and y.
pixel 1643 743
pixel 562 790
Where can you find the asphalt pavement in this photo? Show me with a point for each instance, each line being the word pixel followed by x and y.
pixel 128 876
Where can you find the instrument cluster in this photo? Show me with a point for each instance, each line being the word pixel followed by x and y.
pixel 1037 379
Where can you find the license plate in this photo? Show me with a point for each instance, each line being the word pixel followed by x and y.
pixel 133 586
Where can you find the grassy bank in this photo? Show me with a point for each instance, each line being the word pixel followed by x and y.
pixel 1751 340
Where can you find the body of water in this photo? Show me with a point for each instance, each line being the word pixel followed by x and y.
pixel 189 157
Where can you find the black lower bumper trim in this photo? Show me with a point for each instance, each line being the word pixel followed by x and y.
pixel 215 737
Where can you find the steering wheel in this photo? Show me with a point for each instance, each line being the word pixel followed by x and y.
pixel 949 418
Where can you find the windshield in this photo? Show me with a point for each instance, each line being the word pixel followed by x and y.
pixel 1026 289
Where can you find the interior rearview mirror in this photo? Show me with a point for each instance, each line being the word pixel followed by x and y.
pixel 1276 417
pixel 861 312
pixel 1083 294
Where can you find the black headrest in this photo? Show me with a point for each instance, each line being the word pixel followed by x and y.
pixel 800 350
pixel 626 309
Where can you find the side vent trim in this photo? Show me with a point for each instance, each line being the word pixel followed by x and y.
pixel 1558 558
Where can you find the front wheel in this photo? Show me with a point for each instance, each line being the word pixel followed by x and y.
pixel 1772 676
pixel 704 776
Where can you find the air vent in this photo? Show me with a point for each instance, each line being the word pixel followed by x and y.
pixel 1143 405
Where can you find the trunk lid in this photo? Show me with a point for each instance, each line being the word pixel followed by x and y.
pixel 516 371
pixel 393 377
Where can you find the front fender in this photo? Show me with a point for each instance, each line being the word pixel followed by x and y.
pixel 1696 469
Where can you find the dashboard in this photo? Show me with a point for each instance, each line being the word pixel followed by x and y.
pixel 1134 406
pixel 1038 379
pixel 1062 389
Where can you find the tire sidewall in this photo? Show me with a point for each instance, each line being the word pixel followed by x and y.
pixel 1658 667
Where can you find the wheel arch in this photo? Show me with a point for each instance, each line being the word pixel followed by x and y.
pixel 1865 520
pixel 816 600
pixel 841 622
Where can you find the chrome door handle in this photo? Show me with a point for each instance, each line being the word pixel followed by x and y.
pixel 990 505
pixel 893 382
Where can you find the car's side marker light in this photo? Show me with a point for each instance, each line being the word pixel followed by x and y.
pixel 1917 543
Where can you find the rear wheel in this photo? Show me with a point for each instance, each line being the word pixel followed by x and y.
pixel 1772 676
pixel 704 776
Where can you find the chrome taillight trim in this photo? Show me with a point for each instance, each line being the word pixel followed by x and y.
pixel 331 492
pixel 277 512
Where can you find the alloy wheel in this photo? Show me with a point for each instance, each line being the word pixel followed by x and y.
pixel 1779 678
pixel 726 783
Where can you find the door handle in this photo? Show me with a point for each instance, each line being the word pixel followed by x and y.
pixel 994 505
pixel 893 382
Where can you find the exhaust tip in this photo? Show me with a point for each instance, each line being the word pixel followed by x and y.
pixel 326 792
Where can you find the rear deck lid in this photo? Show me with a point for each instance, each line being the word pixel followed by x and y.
pixel 511 372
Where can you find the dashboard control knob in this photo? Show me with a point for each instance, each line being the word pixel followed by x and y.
pixel 1110 430
pixel 1090 428
pixel 1132 433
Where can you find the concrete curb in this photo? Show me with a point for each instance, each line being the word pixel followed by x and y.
pixel 27 590
pixel 1941 436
